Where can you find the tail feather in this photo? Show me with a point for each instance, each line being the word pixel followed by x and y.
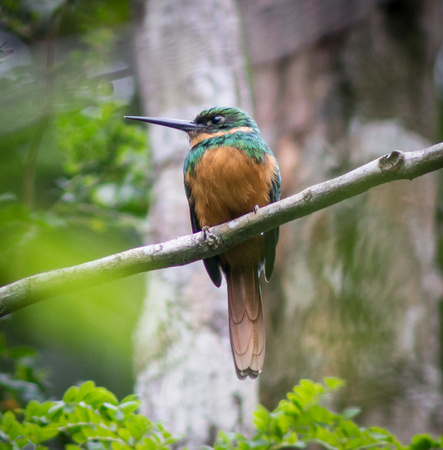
pixel 246 320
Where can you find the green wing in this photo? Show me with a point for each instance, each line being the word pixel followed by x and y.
pixel 271 237
pixel 212 264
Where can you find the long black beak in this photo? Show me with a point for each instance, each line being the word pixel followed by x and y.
pixel 184 125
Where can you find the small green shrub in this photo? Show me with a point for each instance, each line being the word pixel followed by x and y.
pixel 87 417
pixel 91 417
pixel 300 420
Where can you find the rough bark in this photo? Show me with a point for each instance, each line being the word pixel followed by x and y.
pixel 356 288
pixel 189 57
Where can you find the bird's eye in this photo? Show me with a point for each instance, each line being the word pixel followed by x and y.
pixel 216 119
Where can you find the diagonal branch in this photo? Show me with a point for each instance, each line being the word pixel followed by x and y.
pixel 186 249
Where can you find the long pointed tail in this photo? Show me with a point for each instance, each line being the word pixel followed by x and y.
pixel 246 326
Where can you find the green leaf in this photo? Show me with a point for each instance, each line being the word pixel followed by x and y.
pixel 55 410
pixel 261 418
pixel 350 413
pixel 113 412
pixel 283 422
pixel 79 437
pixel 14 430
pixel 83 390
pixel 32 409
pixel 291 408
pixel 149 444
pixel 8 418
pixel 110 406
pixel 21 442
pixel 33 431
pixel 10 425
pixel 94 416
pixel 378 436
pixel 124 434
pixel 120 446
pixel 48 432
pixel 129 406
pixel 306 389
pixel 130 398
pixel 350 428
pixel 70 395
pixel 98 396
pixel 88 431
pixel 105 432
pixel 69 408
pixel 138 425
pixel 334 383
pixel 82 412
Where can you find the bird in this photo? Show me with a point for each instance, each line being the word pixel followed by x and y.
pixel 231 171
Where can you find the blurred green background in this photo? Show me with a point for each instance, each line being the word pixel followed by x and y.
pixel 74 180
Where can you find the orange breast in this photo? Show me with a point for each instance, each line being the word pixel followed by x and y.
pixel 226 184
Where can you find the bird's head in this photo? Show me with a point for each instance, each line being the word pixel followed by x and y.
pixel 212 121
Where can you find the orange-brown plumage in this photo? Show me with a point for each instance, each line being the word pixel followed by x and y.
pixel 226 184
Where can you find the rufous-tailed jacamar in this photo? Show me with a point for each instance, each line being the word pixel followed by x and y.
pixel 229 171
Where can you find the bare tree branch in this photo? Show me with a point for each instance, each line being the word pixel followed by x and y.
pixel 186 249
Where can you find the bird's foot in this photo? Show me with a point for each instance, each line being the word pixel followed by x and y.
pixel 210 238
pixel 255 209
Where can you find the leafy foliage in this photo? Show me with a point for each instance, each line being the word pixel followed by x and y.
pixel 106 162
pixel 63 110
pixel 87 416
pixel 74 177
pixel 300 420
pixel 91 417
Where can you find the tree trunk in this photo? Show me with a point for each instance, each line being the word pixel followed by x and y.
pixel 189 58
pixel 356 288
